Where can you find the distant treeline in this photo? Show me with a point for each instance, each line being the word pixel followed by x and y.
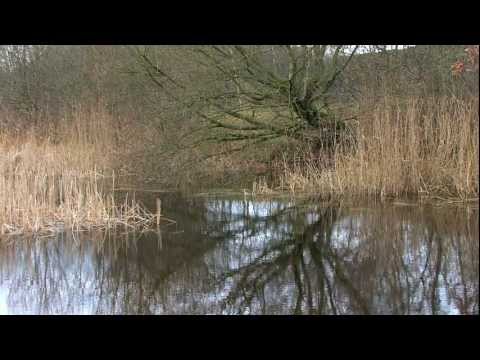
pixel 41 80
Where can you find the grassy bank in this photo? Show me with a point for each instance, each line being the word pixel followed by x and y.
pixel 63 180
pixel 413 146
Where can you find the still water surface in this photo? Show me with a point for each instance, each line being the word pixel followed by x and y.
pixel 230 255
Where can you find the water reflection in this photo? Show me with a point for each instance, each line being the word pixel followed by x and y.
pixel 231 256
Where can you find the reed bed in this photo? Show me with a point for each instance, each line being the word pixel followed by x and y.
pixel 422 147
pixel 49 185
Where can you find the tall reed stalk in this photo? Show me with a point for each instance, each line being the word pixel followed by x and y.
pixel 63 181
pixel 410 146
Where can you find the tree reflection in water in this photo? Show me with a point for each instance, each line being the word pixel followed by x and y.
pixel 231 256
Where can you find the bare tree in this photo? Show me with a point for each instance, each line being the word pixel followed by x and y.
pixel 270 92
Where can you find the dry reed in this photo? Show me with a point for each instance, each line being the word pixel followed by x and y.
pixel 63 181
pixel 423 147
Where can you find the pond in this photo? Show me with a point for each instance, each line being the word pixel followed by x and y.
pixel 230 254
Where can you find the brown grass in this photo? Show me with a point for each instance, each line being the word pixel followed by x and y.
pixel 63 180
pixel 404 147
